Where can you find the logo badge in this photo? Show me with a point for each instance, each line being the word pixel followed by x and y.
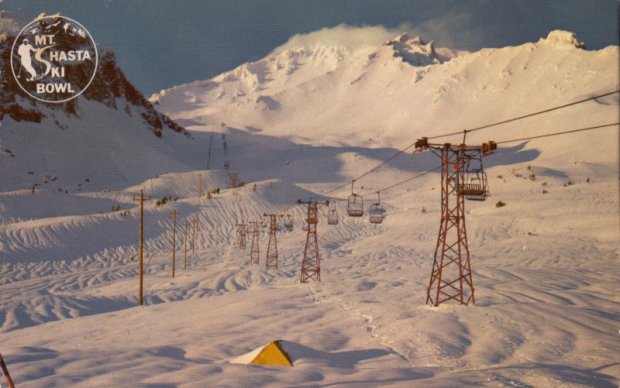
pixel 54 59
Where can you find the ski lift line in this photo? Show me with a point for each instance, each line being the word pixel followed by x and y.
pixel 465 131
pixel 404 181
pixel 508 141
pixel 559 133
pixel 372 170
pixel 384 162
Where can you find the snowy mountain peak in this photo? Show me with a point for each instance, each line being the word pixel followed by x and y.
pixel 562 38
pixel 415 51
pixel 404 38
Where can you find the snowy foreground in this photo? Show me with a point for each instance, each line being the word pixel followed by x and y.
pixel 547 305
pixel 545 266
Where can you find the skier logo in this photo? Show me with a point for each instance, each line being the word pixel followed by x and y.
pixel 54 59
pixel 24 51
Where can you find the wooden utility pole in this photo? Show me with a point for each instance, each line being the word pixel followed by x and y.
pixel 185 245
pixel 5 370
pixel 141 241
pixel 195 223
pixel 174 240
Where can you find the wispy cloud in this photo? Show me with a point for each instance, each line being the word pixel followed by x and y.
pixel 456 30
pixel 351 37
pixel 453 30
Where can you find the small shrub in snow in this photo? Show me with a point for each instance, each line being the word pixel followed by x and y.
pixel 545 191
pixel 500 204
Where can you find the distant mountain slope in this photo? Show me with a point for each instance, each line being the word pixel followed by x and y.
pixel 111 132
pixel 402 89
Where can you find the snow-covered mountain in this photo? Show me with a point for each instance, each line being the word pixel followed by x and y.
pixel 392 93
pixel 303 120
pixel 109 131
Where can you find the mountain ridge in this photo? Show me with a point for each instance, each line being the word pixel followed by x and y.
pixel 373 95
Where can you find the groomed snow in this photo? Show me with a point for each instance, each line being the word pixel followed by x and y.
pixel 544 266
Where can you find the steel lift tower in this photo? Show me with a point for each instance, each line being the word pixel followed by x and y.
pixel 271 260
pixel 462 177
pixel 241 234
pixel 311 263
pixel 254 247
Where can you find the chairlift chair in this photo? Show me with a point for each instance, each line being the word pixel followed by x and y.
pixel 376 213
pixel 475 186
pixel 332 215
pixel 288 223
pixel 355 205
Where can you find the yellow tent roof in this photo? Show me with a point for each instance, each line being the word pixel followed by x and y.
pixel 271 354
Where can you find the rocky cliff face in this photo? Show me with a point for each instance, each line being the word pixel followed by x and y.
pixel 109 87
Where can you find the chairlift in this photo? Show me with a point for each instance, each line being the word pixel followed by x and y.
pixel 288 222
pixel 376 213
pixel 332 215
pixel 355 206
pixel 475 186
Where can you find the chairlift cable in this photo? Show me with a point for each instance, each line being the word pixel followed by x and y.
pixel 526 115
pixel 558 133
pixel 466 131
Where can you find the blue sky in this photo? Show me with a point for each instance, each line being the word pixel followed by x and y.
pixel 160 43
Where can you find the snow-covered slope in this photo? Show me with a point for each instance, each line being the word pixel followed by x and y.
pixel 109 136
pixel 403 89
pixel 296 123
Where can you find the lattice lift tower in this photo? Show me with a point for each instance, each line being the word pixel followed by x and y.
pixel 462 177
pixel 271 260
pixel 254 247
pixel 241 234
pixel 311 263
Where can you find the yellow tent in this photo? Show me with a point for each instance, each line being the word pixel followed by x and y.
pixel 271 354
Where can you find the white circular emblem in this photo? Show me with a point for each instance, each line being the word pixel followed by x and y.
pixel 54 59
